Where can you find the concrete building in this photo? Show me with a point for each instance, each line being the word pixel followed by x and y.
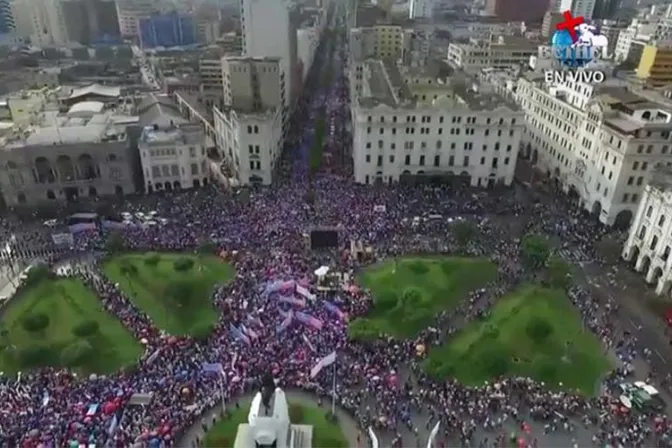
pixel 655 65
pixel 249 129
pixel 419 125
pixel 207 21
pixel 599 142
pixel 381 41
pixel 551 19
pixel 86 151
pixel 583 8
pixel 129 13
pixel 416 47
pixel 167 30
pixel 649 243
pixel 42 21
pixel 421 9
pixel 636 31
pixel 269 32
pixel 172 149
pixel 479 28
pixel 500 53
pixel 560 6
pixel 517 10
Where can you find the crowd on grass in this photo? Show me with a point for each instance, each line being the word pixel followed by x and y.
pixel 380 382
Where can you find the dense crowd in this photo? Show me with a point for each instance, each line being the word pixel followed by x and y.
pixel 381 383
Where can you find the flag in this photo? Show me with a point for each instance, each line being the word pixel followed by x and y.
pixel 237 334
pixel 305 293
pixel 255 321
pixel 285 323
pixel 213 367
pixel 308 343
pixel 292 301
pixel 248 331
pixel 335 310
pixel 322 363
pixel 309 320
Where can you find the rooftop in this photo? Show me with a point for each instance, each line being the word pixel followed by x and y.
pixel 161 120
pixel 96 89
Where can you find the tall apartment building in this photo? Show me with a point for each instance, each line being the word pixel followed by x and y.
pixel 560 5
pixel 90 21
pixel 655 65
pixel 40 20
pixel 583 8
pixel 421 9
pixel 249 128
pixel 516 10
pixel 269 32
pixel 167 30
pixel 7 24
pixel 599 142
pixel 411 125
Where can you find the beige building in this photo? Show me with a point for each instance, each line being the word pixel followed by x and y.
pixel 249 128
pixel 500 53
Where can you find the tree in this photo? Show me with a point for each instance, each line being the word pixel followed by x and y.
pixel 86 329
pixel 114 243
pixel 538 329
pixel 183 264
pixel 464 232
pixel 412 298
pixel 559 273
pixel 77 353
pixel 35 323
pixel 534 251
pixel 362 329
pixel 385 301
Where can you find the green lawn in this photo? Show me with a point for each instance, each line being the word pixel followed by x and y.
pixel 67 303
pixel 409 292
pixel 177 301
pixel 325 433
pixel 534 332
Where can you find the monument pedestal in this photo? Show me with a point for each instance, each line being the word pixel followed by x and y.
pixel 300 436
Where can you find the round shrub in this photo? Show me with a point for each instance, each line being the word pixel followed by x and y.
pixel 86 329
pixel 35 323
pixel 412 298
pixel 183 264
pixel 295 414
pixel 33 355
pixel 538 329
pixel 76 353
pixel 152 259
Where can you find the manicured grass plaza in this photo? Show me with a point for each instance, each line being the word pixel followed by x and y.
pixel 60 322
pixel 174 289
pixel 325 433
pixel 408 293
pixel 534 332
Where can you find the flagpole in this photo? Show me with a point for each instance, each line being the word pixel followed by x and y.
pixel 221 388
pixel 333 394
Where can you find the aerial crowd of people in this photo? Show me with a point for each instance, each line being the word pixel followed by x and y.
pixel 52 407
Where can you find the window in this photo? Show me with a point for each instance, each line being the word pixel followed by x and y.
pixel 391 159
pixel 422 161
pixel 649 211
pixel 437 160
pixel 666 253
pixel 642 232
pixel 407 160
pixel 451 160
pixel 368 158
pixel 661 221
pixel 465 162
pixel 626 196
pixel 640 179
pixel 482 160
pixel 194 169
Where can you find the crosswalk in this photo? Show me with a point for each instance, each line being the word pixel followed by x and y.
pixel 574 255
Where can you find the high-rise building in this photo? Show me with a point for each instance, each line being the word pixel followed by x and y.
pixel 6 17
pixel 517 10
pixel 583 8
pixel 655 65
pixel 421 9
pixel 268 32
pixel 560 5
pixel 167 30
pixel 41 21
pixel 606 9
pixel 129 13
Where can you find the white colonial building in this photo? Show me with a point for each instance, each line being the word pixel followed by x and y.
pixel 420 125
pixel 650 241
pixel 599 142
pixel 172 149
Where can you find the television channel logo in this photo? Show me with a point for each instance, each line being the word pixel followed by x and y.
pixel 576 43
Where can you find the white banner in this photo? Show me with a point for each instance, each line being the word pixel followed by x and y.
pixel 322 363
pixel 62 239
pixel 374 439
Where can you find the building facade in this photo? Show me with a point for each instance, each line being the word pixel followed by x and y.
pixel 87 153
pixel 516 10
pixel 655 65
pixel 599 143
pixel 90 21
pixel 172 149
pixel 42 21
pixel 500 53
pixel 167 30
pixel 417 127
pixel 649 243
pixel 7 25
pixel 129 13
pixel 421 9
